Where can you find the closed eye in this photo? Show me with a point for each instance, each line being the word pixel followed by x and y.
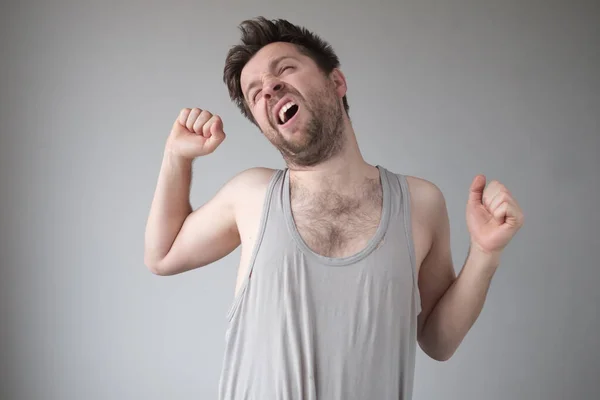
pixel 255 97
pixel 285 68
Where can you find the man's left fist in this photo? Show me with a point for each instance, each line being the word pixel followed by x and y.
pixel 493 215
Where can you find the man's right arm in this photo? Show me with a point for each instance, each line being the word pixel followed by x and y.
pixel 178 239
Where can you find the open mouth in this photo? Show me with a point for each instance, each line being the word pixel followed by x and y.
pixel 287 112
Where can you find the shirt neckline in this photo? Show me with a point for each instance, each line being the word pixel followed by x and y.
pixel 338 261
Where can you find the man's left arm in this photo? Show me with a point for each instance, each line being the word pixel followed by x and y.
pixel 450 305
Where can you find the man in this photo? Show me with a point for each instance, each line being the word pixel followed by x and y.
pixel 344 266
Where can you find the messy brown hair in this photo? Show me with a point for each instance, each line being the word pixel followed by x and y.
pixel 259 32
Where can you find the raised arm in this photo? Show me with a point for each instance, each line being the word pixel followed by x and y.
pixel 178 239
pixel 450 304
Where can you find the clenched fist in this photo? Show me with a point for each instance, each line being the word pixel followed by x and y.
pixel 493 215
pixel 195 133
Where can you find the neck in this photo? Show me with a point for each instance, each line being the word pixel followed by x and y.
pixel 340 172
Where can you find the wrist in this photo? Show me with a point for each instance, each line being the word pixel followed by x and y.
pixel 174 159
pixel 484 258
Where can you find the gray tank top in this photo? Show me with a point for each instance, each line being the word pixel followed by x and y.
pixel 307 327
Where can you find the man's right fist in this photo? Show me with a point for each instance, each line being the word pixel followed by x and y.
pixel 195 133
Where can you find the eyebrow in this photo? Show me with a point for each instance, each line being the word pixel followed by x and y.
pixel 272 65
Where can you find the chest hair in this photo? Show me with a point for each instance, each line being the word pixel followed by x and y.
pixel 333 224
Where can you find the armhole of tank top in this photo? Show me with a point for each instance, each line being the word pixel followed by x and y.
pixel 406 216
pixel 260 234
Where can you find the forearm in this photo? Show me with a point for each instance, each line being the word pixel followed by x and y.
pixel 456 311
pixel 170 207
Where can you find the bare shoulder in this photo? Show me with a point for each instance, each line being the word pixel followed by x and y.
pixel 425 195
pixel 249 183
pixel 248 188
pixel 244 187
pixel 428 211
pixel 253 178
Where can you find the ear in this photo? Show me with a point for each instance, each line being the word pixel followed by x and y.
pixel 339 81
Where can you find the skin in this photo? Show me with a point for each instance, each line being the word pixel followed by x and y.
pixel 179 238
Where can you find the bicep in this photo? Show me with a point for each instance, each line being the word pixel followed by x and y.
pixel 436 273
pixel 207 235
pixel 211 232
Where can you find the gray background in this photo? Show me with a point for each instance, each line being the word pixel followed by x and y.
pixel 443 90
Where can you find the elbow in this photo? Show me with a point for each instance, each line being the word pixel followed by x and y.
pixel 440 354
pixel 154 269
pixel 155 266
pixel 166 266
pixel 437 351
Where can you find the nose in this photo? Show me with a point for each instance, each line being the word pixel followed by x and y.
pixel 271 87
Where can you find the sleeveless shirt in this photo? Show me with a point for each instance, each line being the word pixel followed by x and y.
pixel 308 327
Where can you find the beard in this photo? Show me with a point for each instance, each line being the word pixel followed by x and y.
pixel 322 136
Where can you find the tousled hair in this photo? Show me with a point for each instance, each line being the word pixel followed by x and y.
pixel 259 32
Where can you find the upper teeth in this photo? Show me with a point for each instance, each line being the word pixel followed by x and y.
pixel 283 109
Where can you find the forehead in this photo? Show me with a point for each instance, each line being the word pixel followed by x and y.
pixel 259 63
